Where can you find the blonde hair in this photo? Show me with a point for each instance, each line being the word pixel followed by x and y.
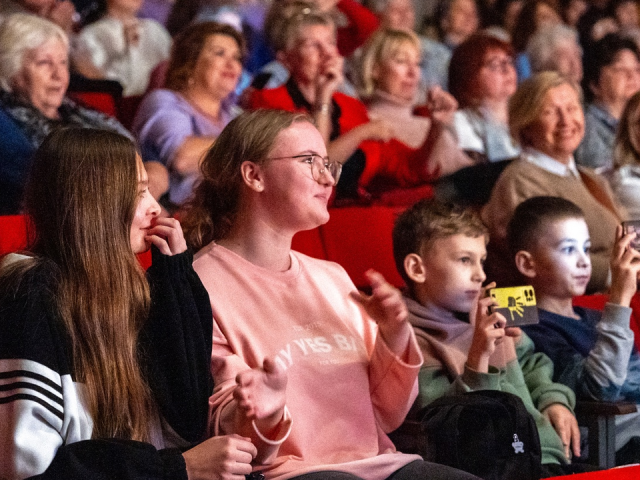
pixel 626 150
pixel 525 105
pixel 19 34
pixel 379 49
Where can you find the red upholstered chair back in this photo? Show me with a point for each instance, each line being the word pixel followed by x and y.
pixel 13 237
pixel 102 101
pixel 359 238
pixel 598 301
pixel 13 233
pixel 620 473
pixel 310 243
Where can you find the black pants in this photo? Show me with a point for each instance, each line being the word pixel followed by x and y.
pixel 417 470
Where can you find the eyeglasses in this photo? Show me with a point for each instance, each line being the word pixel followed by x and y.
pixel 499 65
pixel 319 166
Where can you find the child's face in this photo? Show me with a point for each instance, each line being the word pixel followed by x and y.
pixel 561 259
pixel 454 271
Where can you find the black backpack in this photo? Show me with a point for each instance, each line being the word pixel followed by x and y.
pixel 487 433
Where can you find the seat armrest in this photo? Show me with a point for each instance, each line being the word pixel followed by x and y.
pixel 591 408
pixel 599 418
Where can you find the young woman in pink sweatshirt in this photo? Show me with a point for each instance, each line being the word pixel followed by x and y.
pixel 312 371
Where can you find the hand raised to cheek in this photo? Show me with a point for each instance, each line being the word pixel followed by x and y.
pixel 330 78
pixel 166 234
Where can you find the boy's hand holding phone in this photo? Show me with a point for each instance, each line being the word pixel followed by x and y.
pixel 489 331
pixel 625 264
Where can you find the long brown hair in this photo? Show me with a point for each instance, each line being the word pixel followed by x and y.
pixel 81 196
pixel 216 200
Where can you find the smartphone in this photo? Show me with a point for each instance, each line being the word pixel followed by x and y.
pixel 516 304
pixel 630 227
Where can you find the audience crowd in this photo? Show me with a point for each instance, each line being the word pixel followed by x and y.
pixel 248 121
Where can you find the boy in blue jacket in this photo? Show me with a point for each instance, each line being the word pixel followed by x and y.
pixel 593 352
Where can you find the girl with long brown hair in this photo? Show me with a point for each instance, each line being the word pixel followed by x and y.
pixel 99 365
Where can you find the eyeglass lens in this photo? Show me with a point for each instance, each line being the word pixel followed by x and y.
pixel 319 167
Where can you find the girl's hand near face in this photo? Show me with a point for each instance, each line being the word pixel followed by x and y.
pixel 166 234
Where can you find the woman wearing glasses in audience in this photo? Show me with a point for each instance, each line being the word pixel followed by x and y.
pixel 482 78
pixel 312 371
pixel 102 368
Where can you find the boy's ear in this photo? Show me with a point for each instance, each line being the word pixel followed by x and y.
pixel 414 268
pixel 525 264
pixel 252 175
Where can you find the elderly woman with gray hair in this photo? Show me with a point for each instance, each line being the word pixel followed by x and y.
pixel 34 76
pixel 557 48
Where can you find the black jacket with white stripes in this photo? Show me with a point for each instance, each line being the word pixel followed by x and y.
pixel 45 428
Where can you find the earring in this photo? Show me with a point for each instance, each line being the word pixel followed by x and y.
pixel 259 187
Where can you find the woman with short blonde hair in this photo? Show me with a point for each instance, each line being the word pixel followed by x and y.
pixel 381 48
pixel 527 103
pixel 423 148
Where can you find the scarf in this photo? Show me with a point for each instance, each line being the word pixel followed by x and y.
pixel 36 126
pixel 448 336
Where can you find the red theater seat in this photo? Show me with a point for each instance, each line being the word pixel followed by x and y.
pixel 102 101
pixel 598 301
pixel 13 237
pixel 359 238
pixel 13 233
pixel 620 473
pixel 310 243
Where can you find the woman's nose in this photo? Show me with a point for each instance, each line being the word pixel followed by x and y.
pixel 59 70
pixel 154 207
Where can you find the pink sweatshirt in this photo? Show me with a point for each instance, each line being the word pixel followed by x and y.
pixel 345 387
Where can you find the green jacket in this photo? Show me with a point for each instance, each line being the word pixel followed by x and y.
pixel 529 376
